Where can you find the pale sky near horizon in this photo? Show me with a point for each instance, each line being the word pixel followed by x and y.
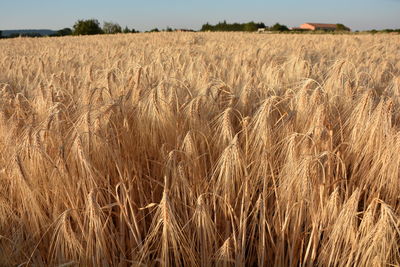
pixel 145 15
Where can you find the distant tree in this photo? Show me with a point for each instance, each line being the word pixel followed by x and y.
pixel 168 29
pixel 127 30
pixel 260 25
pixel 390 30
pixel 206 27
pixel 224 26
pixel 25 34
pixel 87 27
pixel 111 28
pixel 235 27
pixel 154 30
pixel 1 34
pixel 278 27
pixel 63 32
pixel 250 27
pixel 341 27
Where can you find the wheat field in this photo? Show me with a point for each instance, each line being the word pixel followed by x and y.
pixel 200 149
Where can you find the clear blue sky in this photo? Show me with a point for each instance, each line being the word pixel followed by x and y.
pixel 148 14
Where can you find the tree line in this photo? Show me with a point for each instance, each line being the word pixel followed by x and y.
pixel 224 26
pixel 81 27
pixel 92 26
pixel 245 27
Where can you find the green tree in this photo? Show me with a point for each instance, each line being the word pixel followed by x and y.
pixel 25 34
pixel 250 27
pixel 126 30
pixel 64 32
pixel 1 34
pixel 278 27
pixel 154 30
pixel 111 28
pixel 224 26
pixel 341 27
pixel 87 27
pixel 206 27
pixel 260 25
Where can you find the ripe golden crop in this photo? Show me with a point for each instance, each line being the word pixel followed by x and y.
pixel 200 149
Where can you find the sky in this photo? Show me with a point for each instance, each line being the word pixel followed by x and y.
pixel 148 14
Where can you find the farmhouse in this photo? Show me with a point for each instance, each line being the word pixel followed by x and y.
pixel 318 26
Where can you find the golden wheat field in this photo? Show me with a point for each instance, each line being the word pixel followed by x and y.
pixel 200 149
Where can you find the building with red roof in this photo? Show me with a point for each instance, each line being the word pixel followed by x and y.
pixel 318 26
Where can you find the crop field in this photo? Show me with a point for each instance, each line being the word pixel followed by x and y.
pixel 200 149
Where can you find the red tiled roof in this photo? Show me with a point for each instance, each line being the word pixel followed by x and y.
pixel 322 25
